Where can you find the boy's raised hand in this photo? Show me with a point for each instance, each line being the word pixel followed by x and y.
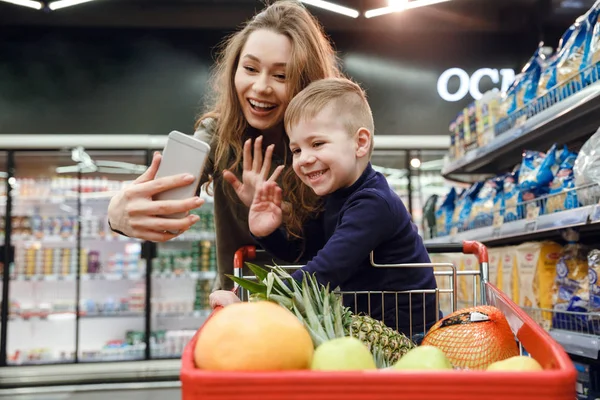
pixel 265 211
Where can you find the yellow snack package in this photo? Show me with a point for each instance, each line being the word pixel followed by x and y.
pixel 507 272
pixel 467 283
pixel 543 280
pixel 527 255
pixel 494 264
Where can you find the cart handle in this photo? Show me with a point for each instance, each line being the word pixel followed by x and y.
pixel 467 247
pixel 243 254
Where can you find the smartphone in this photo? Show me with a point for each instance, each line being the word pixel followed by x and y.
pixel 182 154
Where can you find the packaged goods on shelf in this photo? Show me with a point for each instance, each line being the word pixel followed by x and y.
pixel 489 199
pixel 586 169
pixel 473 127
pixel 593 272
pixel 495 256
pixel 543 183
pixel 536 265
pixel 575 55
pixel 571 286
pixel 524 88
pixel 444 213
pixel 464 204
pixel 507 270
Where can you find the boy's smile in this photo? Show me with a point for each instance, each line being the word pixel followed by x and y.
pixel 324 153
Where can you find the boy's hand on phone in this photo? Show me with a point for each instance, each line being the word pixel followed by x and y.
pixel 222 298
pixel 265 211
pixel 256 170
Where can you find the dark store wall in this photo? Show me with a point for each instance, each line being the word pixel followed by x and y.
pixel 150 82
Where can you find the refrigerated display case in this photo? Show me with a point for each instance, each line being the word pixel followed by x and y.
pixel 183 273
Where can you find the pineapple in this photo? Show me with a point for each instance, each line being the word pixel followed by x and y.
pixel 323 313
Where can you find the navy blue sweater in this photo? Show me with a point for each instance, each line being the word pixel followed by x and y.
pixel 356 220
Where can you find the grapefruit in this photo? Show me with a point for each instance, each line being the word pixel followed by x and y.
pixel 258 336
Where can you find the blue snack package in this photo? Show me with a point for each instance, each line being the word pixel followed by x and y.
pixel 575 55
pixel 443 215
pixel 571 286
pixel 485 204
pixel 562 182
pixel 462 210
pixel 537 169
pixel 549 78
pixel 527 89
pixel 512 197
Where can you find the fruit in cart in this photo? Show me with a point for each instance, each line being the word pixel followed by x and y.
pixel 516 364
pixel 474 338
pixel 323 313
pixel 423 358
pixel 258 336
pixel 345 353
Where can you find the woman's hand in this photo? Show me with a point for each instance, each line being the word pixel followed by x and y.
pixel 265 211
pixel 133 212
pixel 256 170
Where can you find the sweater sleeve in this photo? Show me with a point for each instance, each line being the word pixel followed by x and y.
pixel 297 251
pixel 365 222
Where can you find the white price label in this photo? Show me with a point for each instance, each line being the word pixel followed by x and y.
pixel 531 226
pixel 595 217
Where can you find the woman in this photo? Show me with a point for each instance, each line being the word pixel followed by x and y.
pixel 259 70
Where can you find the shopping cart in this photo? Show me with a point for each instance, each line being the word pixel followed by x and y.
pixel 556 382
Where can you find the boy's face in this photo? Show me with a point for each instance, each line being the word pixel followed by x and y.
pixel 325 156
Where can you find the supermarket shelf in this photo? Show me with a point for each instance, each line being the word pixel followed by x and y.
pixel 72 392
pixel 194 237
pixel 152 370
pixel 573 118
pixel 193 275
pixel 84 277
pixel 71 240
pixel 196 275
pixel 547 225
pixel 115 314
pixel 577 344
pixel 202 314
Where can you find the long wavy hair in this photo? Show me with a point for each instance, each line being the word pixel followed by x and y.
pixel 312 58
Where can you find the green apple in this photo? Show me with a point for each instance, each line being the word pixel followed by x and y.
pixel 516 364
pixel 342 354
pixel 423 358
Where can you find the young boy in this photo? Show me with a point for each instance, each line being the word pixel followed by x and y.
pixel 330 127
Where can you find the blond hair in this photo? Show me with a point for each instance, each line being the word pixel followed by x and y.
pixel 351 105
pixel 347 98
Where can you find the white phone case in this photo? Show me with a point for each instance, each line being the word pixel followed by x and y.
pixel 182 154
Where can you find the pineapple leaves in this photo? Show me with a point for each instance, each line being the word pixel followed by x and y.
pixel 261 274
pixel 251 286
pixel 312 317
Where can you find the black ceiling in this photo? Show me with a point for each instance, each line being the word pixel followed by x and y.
pixel 456 15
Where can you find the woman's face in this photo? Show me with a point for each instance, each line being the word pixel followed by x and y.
pixel 260 80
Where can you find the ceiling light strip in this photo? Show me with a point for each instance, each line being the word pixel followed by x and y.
pixel 401 7
pixel 26 3
pixel 57 5
pixel 350 12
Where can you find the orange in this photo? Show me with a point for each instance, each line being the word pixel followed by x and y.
pixel 257 336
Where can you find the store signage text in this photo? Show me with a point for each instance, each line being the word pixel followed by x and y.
pixel 471 84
